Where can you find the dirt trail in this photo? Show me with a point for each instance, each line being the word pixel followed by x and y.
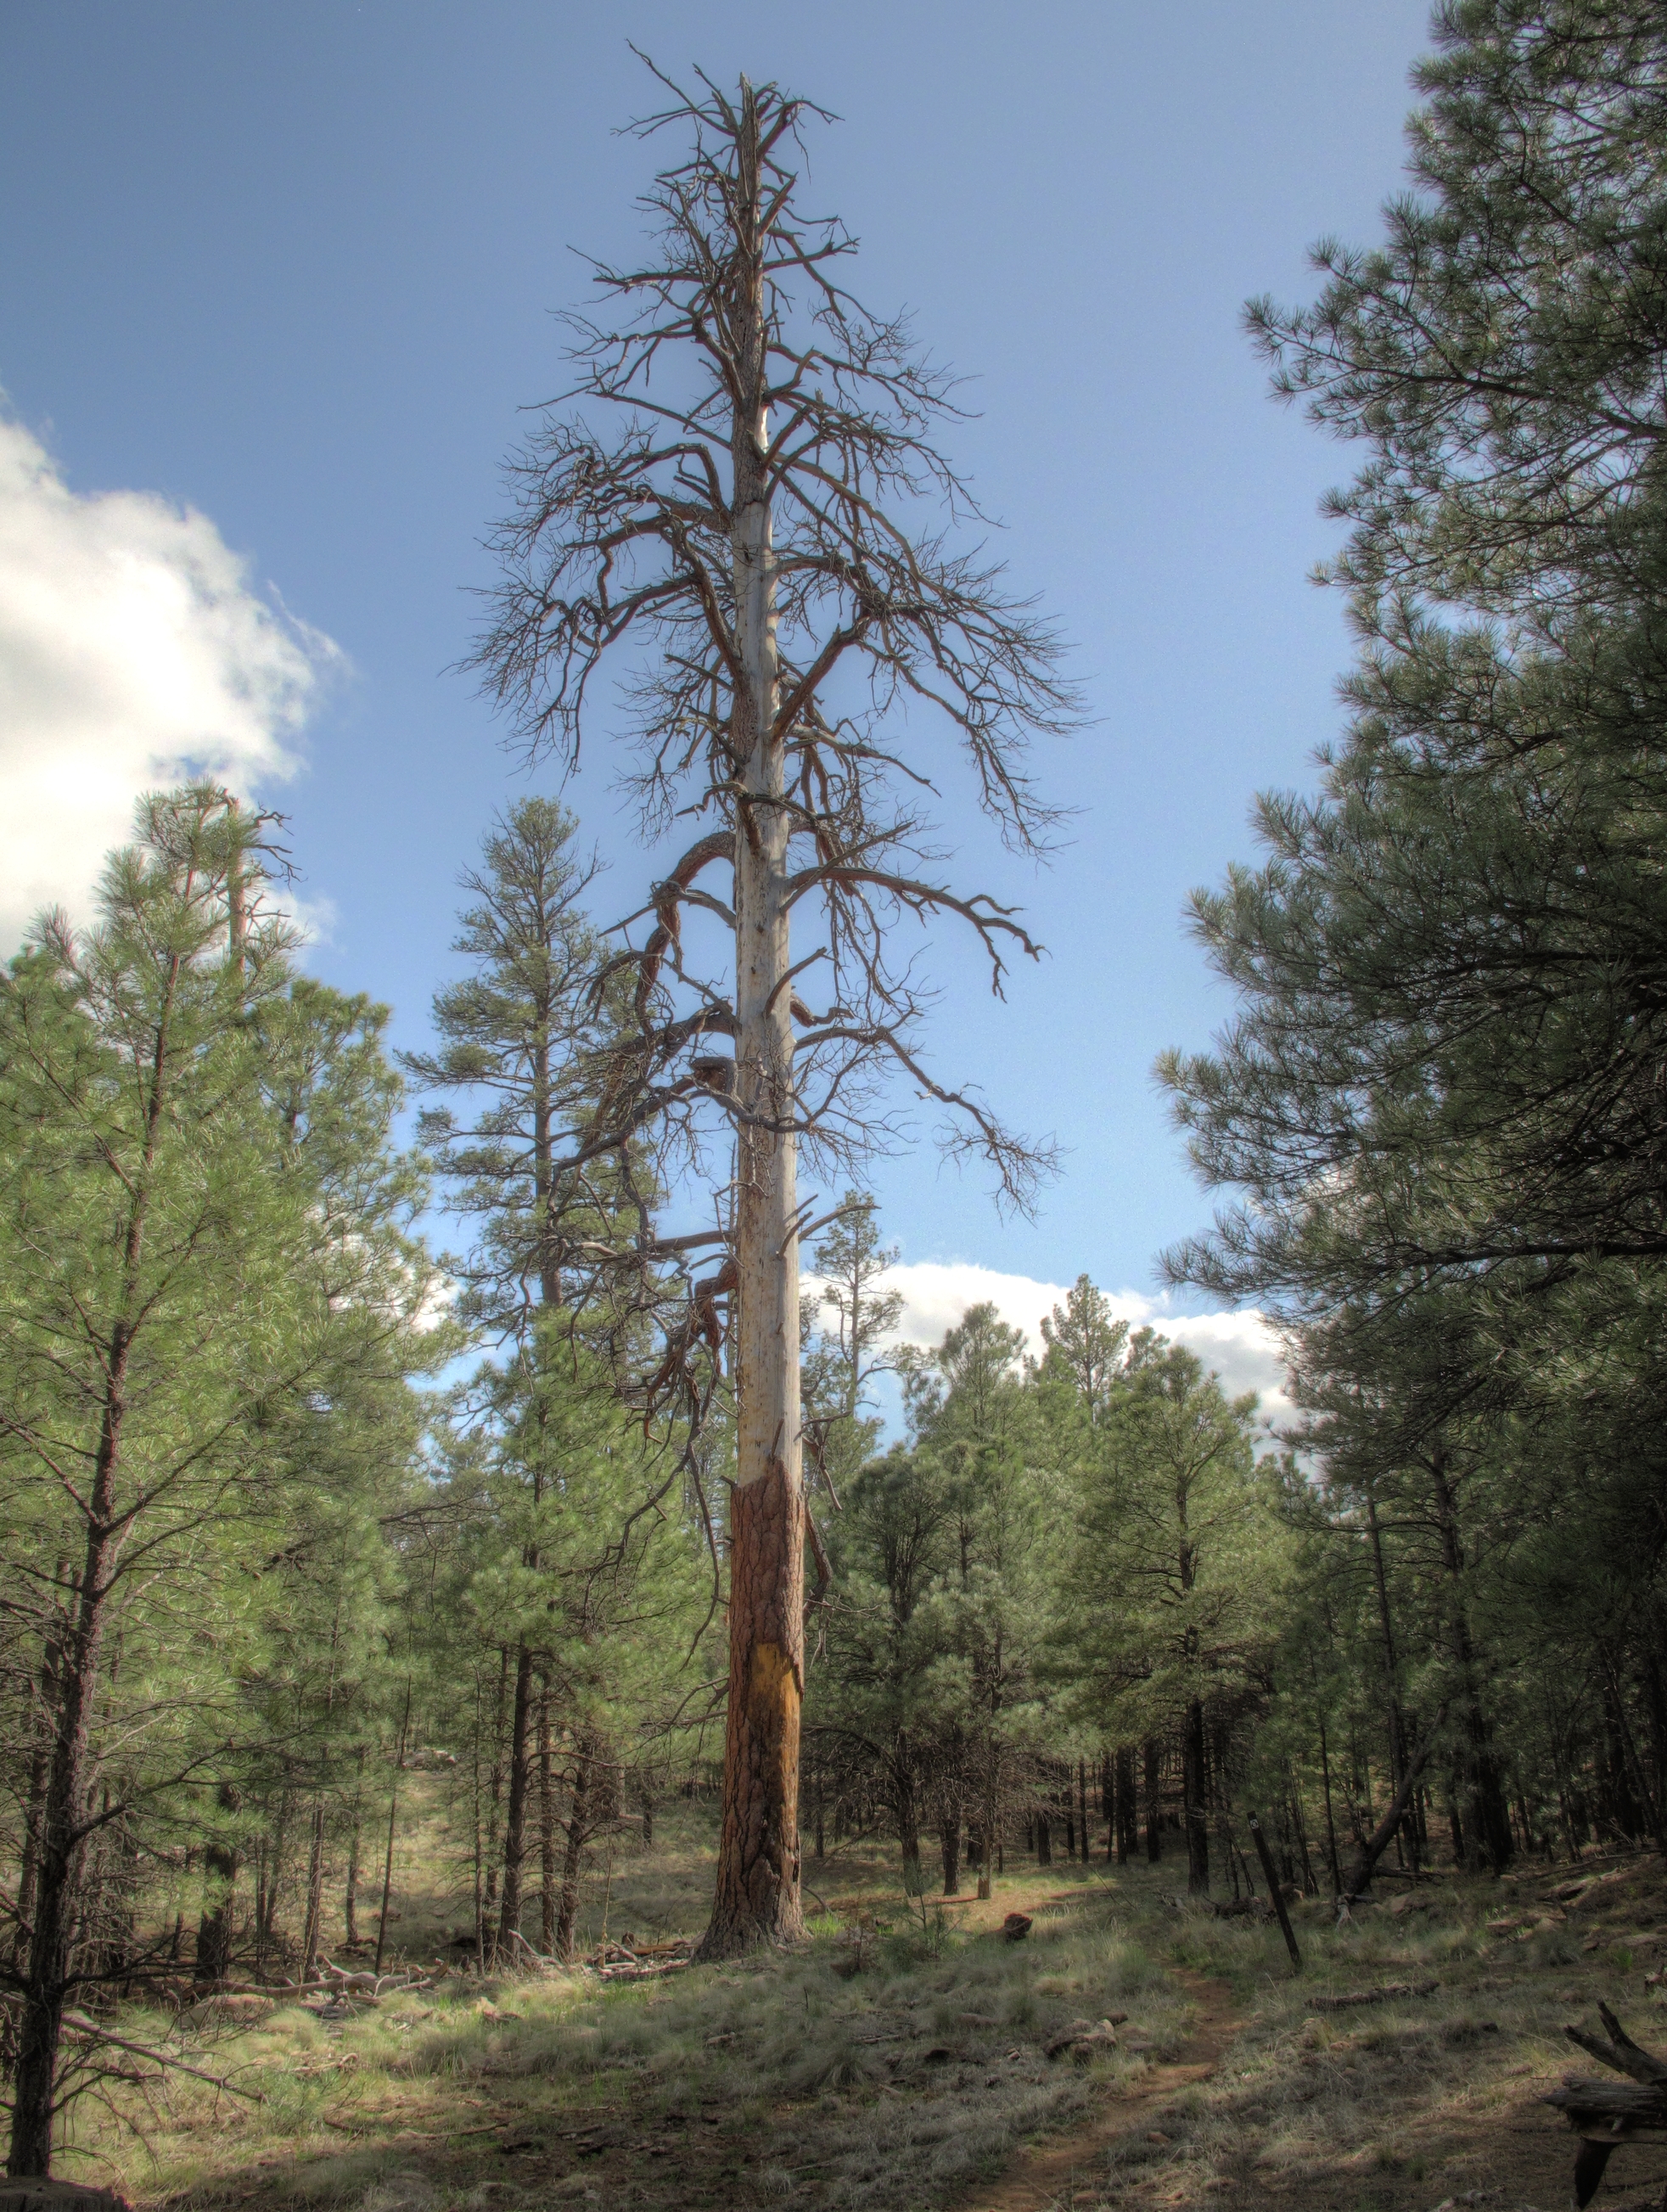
pixel 1043 2175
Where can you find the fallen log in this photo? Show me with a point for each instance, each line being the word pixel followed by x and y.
pixel 1386 1993
pixel 1606 2114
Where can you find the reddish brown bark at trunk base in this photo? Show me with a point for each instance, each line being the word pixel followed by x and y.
pixel 756 1901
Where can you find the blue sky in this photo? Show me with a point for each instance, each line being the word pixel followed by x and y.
pixel 282 275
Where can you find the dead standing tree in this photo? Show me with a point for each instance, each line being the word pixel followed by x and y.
pixel 746 537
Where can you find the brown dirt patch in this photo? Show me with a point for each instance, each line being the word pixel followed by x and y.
pixel 1046 2174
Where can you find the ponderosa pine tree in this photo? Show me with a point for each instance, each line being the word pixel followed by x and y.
pixel 202 1230
pixel 1170 1585
pixel 754 532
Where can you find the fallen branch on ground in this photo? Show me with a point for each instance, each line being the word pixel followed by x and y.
pixel 80 2025
pixel 1385 1994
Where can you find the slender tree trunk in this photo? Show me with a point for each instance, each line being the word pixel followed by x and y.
pixel 1194 1779
pixel 992 1803
pixel 213 1929
pixel 949 1847
pixel 756 1901
pixel 62 1848
pixel 44 1717
pixel 1152 1758
pixel 350 1901
pixel 494 1808
pixel 1299 1830
pixel 61 1853
pixel 908 1831
pixel 314 1895
pixel 1330 1823
pixel 515 1837
pixel 1129 1831
pixel 1397 1720
pixel 1487 1818
pixel 546 1831
pixel 388 1875
pixel 578 1831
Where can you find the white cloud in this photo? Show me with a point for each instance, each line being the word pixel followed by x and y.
pixel 132 652
pixel 1239 1346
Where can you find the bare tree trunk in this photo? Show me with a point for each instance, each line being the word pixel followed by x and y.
pixel 514 1836
pixel 756 1901
pixel 1129 1831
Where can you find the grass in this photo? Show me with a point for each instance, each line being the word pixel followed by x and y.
pixel 898 2061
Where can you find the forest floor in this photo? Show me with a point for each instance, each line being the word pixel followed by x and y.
pixel 899 2061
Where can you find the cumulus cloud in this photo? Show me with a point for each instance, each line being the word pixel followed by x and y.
pixel 1240 1348
pixel 133 653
